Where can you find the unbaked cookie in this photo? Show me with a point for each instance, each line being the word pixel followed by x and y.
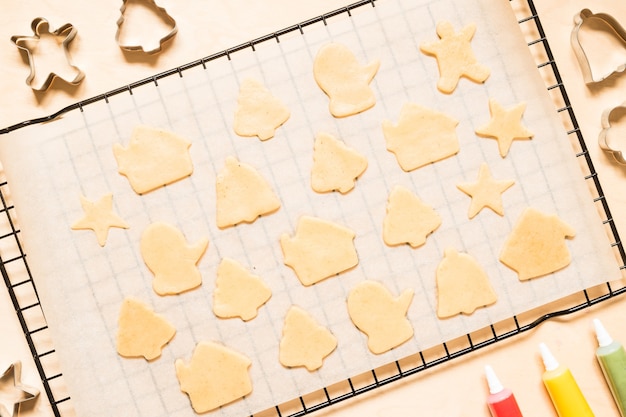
pixel 455 56
pixel 238 293
pixel 408 219
pixel 344 79
pixel 242 194
pixel 99 217
pixel 141 332
pixel 171 259
pixel 536 245
pixel 380 315
pixel 422 136
pixel 462 285
pixel 258 112
pixel 304 341
pixel 505 126
pixel 154 158
pixel 320 249
pixel 485 192
pixel 335 166
pixel 215 376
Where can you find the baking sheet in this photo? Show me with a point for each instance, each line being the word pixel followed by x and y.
pixel 82 285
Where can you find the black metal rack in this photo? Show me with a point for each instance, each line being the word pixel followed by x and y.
pixel 19 280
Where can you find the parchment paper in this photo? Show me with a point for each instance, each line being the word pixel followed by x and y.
pixel 82 285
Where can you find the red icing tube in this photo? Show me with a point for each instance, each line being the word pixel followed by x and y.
pixel 501 401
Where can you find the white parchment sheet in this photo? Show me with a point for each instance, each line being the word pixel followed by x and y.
pixel 82 284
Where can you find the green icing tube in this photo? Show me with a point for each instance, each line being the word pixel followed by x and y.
pixel 612 358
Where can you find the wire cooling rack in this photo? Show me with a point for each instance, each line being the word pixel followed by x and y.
pixel 23 293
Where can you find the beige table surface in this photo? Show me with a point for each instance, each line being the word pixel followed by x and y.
pixel 456 388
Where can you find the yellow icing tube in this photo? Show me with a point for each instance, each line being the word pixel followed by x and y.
pixel 564 392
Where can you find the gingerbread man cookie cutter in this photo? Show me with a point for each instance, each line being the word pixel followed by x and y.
pixel 147 47
pixel 22 394
pixel 41 27
pixel 603 139
pixel 586 15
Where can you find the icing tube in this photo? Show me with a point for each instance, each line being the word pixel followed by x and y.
pixel 564 392
pixel 501 401
pixel 612 359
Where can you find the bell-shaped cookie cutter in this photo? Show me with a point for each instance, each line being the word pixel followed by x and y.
pixel 163 15
pixel 603 138
pixel 581 56
pixel 40 25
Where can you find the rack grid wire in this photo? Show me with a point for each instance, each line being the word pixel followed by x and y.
pixel 23 293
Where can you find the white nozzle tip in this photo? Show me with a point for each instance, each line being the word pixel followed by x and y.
pixel 495 386
pixel 549 361
pixel 604 339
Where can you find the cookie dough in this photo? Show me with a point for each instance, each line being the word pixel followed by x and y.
pixel 380 315
pixel 304 341
pixel 258 112
pixel 422 136
pixel 141 332
pixel 238 293
pixel 505 126
pixel 455 57
pixel 408 219
pixel 320 249
pixel 485 192
pixel 344 80
pixel 536 245
pixel 153 158
pixel 242 194
pixel 335 166
pixel 215 376
pixel 99 217
pixel 462 285
pixel 171 259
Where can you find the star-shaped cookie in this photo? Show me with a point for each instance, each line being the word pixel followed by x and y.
pixel 485 192
pixel 455 57
pixel 99 217
pixel 12 393
pixel 505 125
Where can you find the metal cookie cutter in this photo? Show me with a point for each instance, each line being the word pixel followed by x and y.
pixel 583 60
pixel 11 389
pixel 149 47
pixel 41 27
pixel 603 138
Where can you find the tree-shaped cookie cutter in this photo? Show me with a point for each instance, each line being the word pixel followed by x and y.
pixel 40 26
pixel 162 13
pixel 581 56
pixel 603 138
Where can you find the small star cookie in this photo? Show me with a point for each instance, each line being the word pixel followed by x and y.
pixel 505 125
pixel 485 192
pixel 455 57
pixel 99 217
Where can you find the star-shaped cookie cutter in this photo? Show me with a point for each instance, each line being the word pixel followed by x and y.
pixel 162 14
pixel 581 56
pixel 603 138
pixel 39 26
pixel 11 377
